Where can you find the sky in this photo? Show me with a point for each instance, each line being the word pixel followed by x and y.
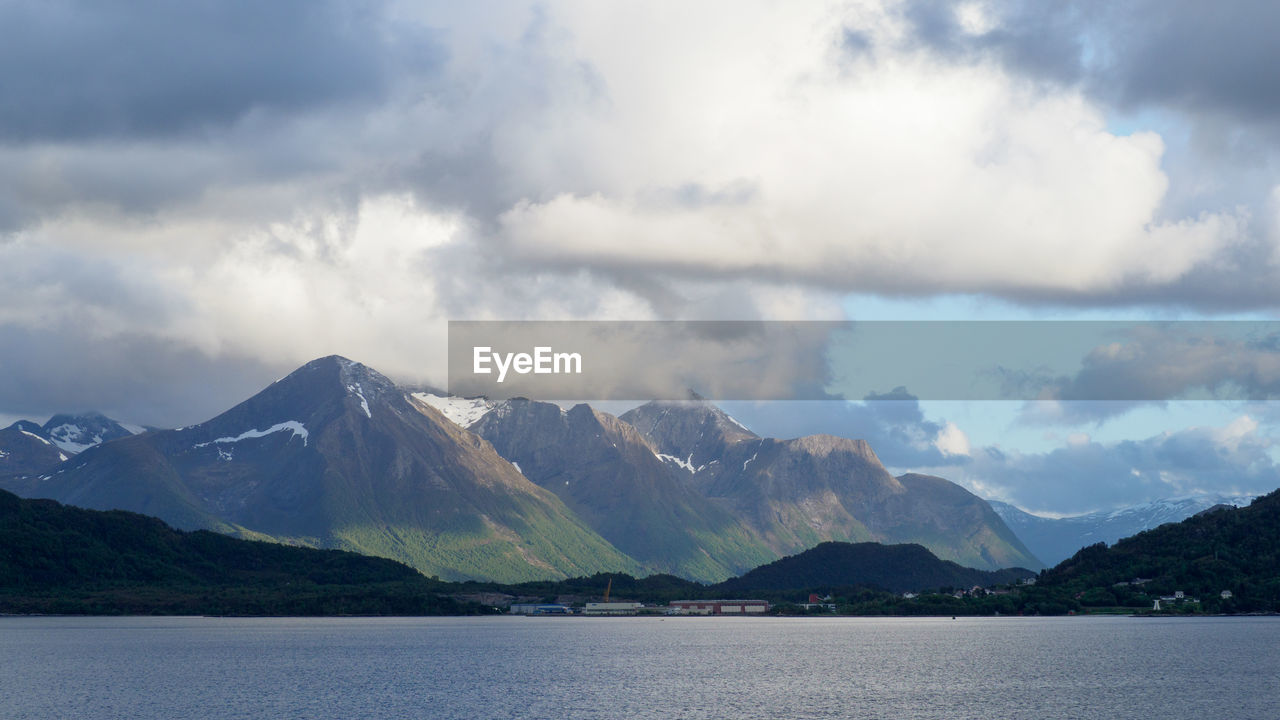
pixel 196 198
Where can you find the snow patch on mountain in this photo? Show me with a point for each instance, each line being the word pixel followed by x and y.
pixel 293 426
pixel 364 404
pixel 73 438
pixel 734 420
pixel 685 464
pixel 463 412
pixel 46 442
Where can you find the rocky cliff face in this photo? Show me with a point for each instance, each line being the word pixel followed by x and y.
pixel 800 492
pixel 607 473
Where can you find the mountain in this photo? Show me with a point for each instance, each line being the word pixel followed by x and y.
pixel 798 493
pixel 1056 539
pixel 59 559
pixel 28 449
pixel 25 450
pixel 897 568
pixel 79 432
pixel 1233 549
pixel 464 412
pixel 608 474
pixel 335 455
pixel 694 429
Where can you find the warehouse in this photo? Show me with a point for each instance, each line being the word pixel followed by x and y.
pixel 612 608
pixel 540 609
pixel 717 607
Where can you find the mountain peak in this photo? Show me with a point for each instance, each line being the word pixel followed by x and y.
pixel 26 426
pixel 80 431
pixel 312 396
pixel 823 445
pixel 337 373
pixel 25 449
pixel 685 427
pixel 345 369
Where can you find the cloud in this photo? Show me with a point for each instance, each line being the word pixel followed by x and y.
pixel 263 183
pixel 133 378
pixel 952 441
pixel 894 174
pixel 1086 475
pixel 75 70
pixel 1211 59
pixel 1156 363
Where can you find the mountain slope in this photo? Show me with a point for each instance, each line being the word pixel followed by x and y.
pixel 606 472
pixel 800 492
pixel 334 455
pixel 25 449
pixel 28 449
pixel 897 568
pixel 76 433
pixel 55 558
pixel 1056 539
pixel 1235 549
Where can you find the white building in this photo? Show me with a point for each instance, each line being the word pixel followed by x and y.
pixel 612 608
pixel 718 607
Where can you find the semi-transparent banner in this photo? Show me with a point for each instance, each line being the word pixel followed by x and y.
pixel 942 360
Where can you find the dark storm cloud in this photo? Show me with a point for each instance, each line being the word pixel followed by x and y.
pixel 133 378
pixel 1197 56
pixel 82 69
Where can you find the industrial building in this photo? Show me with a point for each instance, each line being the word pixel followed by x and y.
pixel 540 609
pixel 612 608
pixel 717 607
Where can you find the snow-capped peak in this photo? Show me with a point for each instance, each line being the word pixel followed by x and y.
pixel 463 412
pixel 73 438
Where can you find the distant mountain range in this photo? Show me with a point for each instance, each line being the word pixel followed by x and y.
pixel 1224 558
pixel 1056 539
pixel 336 455
pixel 27 448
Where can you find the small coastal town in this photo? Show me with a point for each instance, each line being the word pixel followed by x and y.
pixel 675 607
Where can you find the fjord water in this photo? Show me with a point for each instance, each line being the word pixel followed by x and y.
pixel 507 667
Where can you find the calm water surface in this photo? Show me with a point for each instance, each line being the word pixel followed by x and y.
pixel 639 668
